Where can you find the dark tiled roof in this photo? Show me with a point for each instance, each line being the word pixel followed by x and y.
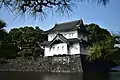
pixel 73 40
pixel 45 43
pixel 67 26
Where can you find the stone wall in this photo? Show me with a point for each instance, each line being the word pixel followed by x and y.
pixel 44 64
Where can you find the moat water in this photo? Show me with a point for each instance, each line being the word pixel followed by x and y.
pixel 58 76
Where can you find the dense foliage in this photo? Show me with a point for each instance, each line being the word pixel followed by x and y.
pixel 2 24
pixel 102 44
pixel 6 49
pixel 23 41
pixel 27 39
pixel 115 53
pixel 3 33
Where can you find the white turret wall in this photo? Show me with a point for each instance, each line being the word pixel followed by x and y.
pixel 57 49
pixel 74 49
pixel 68 35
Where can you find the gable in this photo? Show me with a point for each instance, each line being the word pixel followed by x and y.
pixel 58 38
pixel 67 35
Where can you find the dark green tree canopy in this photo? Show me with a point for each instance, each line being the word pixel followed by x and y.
pixel 97 34
pixel 6 49
pixel 27 39
pixel 2 24
pixel 3 33
pixel 101 42
pixel 23 41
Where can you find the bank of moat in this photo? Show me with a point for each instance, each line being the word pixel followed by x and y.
pixel 44 64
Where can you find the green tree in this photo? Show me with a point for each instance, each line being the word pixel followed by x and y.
pixel 97 34
pixel 115 53
pixel 2 24
pixel 3 33
pixel 101 42
pixel 27 39
pixel 6 49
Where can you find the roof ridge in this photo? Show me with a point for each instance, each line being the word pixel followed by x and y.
pixel 66 22
pixel 70 25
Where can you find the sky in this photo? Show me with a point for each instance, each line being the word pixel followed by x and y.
pixel 107 17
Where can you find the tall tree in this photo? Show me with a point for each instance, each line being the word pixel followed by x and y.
pixel 101 42
pixel 6 49
pixel 2 24
pixel 115 54
pixel 3 33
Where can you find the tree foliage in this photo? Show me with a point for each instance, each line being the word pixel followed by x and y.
pixel 23 41
pixel 101 42
pixel 2 24
pixel 3 33
pixel 115 53
pixel 27 39
pixel 38 7
pixel 6 49
pixel 97 34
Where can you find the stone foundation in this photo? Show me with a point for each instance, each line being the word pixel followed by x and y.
pixel 44 64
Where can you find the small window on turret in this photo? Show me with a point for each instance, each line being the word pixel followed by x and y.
pixel 57 48
pixel 53 48
pixel 62 47
pixel 69 34
pixel 72 34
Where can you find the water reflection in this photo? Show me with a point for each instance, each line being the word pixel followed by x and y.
pixel 58 76
pixel 96 76
pixel 63 76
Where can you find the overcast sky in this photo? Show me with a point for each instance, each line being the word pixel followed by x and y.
pixel 107 17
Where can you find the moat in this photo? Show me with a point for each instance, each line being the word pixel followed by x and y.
pixel 58 76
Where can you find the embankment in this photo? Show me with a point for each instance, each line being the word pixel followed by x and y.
pixel 43 64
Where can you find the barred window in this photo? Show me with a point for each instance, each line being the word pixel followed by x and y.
pixel 53 48
pixel 62 47
pixel 57 48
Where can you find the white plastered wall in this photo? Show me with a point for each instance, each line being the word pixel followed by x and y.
pixel 68 35
pixel 74 49
pixel 56 49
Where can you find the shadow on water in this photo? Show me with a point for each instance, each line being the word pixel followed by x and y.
pixel 96 76
pixel 58 76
